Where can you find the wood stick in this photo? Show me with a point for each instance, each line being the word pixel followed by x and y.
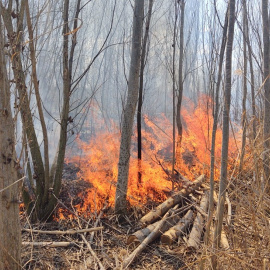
pixel 229 218
pixel 173 233
pixel 48 244
pixel 145 243
pixel 97 221
pixel 93 252
pixel 64 232
pixel 196 232
pixel 160 210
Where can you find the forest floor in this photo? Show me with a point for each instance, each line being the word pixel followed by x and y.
pixel 248 236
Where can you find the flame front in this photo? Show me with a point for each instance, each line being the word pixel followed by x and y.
pixel 99 159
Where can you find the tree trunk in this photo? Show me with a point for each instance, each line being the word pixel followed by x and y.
pixel 225 129
pixel 181 86
pixel 214 131
pixel 244 99
pixel 24 103
pixel 266 84
pixel 129 110
pixel 10 236
pixel 140 101
pixel 173 85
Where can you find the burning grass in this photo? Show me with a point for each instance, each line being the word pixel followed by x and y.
pixel 98 159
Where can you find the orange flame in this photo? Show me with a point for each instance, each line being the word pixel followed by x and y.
pixel 99 159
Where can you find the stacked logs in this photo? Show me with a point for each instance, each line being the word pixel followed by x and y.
pixel 171 219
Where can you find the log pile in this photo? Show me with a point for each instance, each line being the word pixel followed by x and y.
pixel 186 211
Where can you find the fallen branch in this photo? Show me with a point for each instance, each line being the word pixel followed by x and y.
pixel 160 210
pixel 196 232
pixel 64 232
pixel 48 244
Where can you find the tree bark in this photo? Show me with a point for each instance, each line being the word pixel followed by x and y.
pixel 129 110
pixel 10 236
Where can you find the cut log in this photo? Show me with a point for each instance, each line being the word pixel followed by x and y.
pixel 176 231
pixel 140 235
pixel 160 210
pixel 145 243
pixel 196 232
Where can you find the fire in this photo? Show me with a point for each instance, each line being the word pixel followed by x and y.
pixel 99 158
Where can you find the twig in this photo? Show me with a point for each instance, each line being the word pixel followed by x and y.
pixel 93 252
pixel 1 190
pixel 64 232
pixel 97 221
pixel 48 244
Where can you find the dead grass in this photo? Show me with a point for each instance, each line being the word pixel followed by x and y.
pixel 248 235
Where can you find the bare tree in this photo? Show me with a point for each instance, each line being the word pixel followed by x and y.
pixel 10 237
pixel 129 110
pixel 225 128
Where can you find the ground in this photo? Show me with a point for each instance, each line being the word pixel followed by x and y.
pixel 248 234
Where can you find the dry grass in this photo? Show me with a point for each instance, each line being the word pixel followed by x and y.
pixel 248 235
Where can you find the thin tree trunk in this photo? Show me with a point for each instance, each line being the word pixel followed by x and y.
pixel 244 99
pixel 174 88
pixel 10 236
pixel 140 101
pixel 266 159
pixel 39 104
pixel 129 110
pixel 214 131
pixel 225 129
pixel 67 61
pixel 181 85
